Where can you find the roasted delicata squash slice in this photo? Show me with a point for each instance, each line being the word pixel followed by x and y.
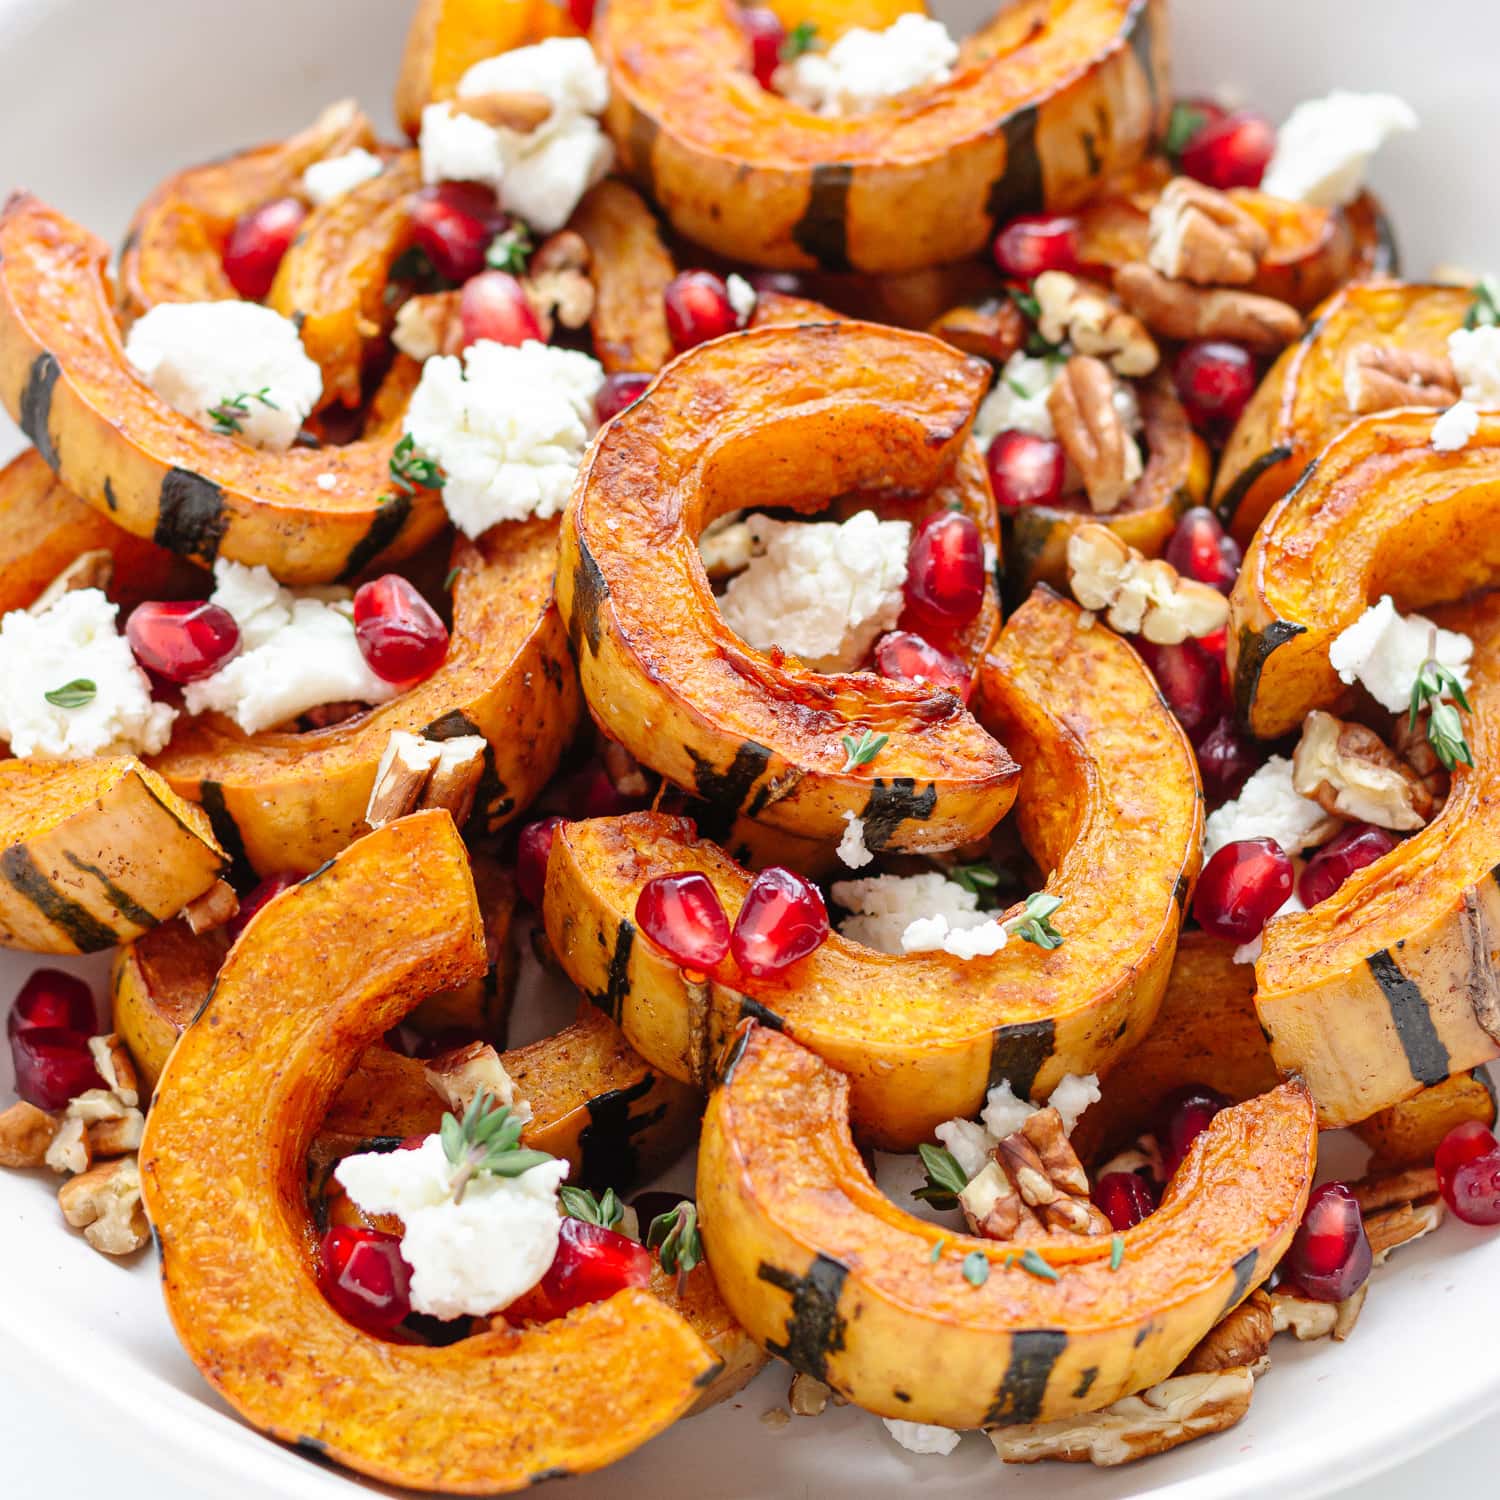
pixel 828 1273
pixel 1379 512
pixel 222 1172
pixel 1313 391
pixel 118 447
pixel 1408 1134
pixel 1109 805
pixel 286 802
pixel 1045 102
pixel 833 18
pixel 95 852
pixel 795 416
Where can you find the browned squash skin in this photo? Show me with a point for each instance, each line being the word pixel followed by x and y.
pixel 1044 103
pixel 222 1177
pixel 119 448
pixel 828 1273
pixel 1109 805
pixel 795 416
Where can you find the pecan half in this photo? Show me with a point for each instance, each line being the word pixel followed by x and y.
pixel 1087 315
pixel 105 1203
pixel 1402 1224
pixel 1081 404
pixel 1144 596
pixel 1385 1188
pixel 213 909
pixel 1348 770
pixel 1176 310
pixel 519 110
pixel 1201 235
pixel 1410 742
pixel 459 1075
pixel 1239 1338
pixel 25 1134
pixel 994 329
pixel 1380 376
pixel 428 325
pixel 1032 1186
pixel 557 283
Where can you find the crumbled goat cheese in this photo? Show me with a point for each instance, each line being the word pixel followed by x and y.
pixel 328 482
pixel 468 1258
pixel 971 1143
pixel 1455 427
pixel 938 935
pixel 74 639
pixel 882 907
pixel 1247 953
pixel 727 545
pixel 507 425
pixel 540 174
pixel 335 175
pixel 822 590
pixel 1385 651
pixel 1018 403
pixel 1269 807
pixel 1073 1094
pixel 863 68
pixel 198 356
pixel 297 651
pixel 922 1437
pixel 1323 150
pixel 1475 355
pixel 852 849
pixel 742 296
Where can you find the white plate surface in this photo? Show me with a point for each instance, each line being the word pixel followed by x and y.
pixel 100 100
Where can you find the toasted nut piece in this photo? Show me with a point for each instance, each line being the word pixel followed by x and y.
pixel 557 283
pixel 1165 1416
pixel 1348 770
pixel 428 325
pixel 1303 1317
pixel 623 769
pixel 567 250
pixel 991 1205
pixel 1201 235
pixel 105 1203
pixel 1142 595
pixel 521 110
pixel 1415 1185
pixel 993 329
pixel 1240 1337
pixel 1380 376
pixel 25 1134
pixel 1044 1130
pixel 119 1137
pixel 89 570
pixel 116 1068
pixel 808 1396
pixel 455 776
pixel 1176 310
pixel 1410 742
pixel 1081 404
pixel 1402 1224
pixel 1024 1168
pixel 401 777
pixel 729 545
pixel 1346 1313
pixel 459 1075
pixel 68 1152
pixel 1086 315
pixel 216 906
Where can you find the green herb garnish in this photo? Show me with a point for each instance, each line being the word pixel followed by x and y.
pixel 486 1140
pixel 976 879
pixel 72 694
pixel 937 1251
pixel 230 414
pixel 801 38
pixel 1116 1251
pixel 976 1268
pixel 945 1178
pixel 1032 1263
pixel 1185 121
pixel 510 250
pixel 1445 730
pixel 1034 924
pixel 675 1238
pixel 578 1203
pixel 1484 310
pixel 411 471
pixel 864 750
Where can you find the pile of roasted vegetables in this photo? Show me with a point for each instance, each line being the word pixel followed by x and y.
pixel 1158 825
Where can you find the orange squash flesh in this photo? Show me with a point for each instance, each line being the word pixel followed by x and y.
pixel 222 1166
pixel 1408 1134
pixel 825 1271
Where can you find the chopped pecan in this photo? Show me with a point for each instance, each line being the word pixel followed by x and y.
pixel 455 778
pixel 459 1075
pixel 1239 1338
pixel 25 1134
pixel 1402 1224
pixel 116 1068
pixel 1380 376
pixel 1349 771
pixel 1308 1319
pixel 1410 742
pixel 518 110
pixel 808 1396
pixel 215 907
pixel 1144 596
pixel 1092 432
pixel 623 769
pixel 1414 1185
pixel 991 1205
pixel 557 283
pixel 105 1203
pixel 1176 310
pixel 994 329
pixel 416 772
pixel 89 570
pixel 1201 235
pixel 1033 1185
pixel 1087 315
pixel 115 1137
pixel 428 325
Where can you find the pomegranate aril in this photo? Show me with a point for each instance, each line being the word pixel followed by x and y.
pixel 945 574
pixel 257 243
pixel 493 305
pixel 1192 682
pixel 54 999
pixel 1125 1198
pixel 1329 1257
pixel 1474 1192
pixel 783 920
pixel 581 13
pixel 767 35
pixel 1356 846
pixel 1025 470
pixel 618 392
pixel 907 657
pixel 698 309
pixel 682 914
pixel 53 1065
pixel 591 1263
pixel 1200 549
pixel 1226 760
pixel 399 633
pixel 532 850
pixel 362 1274
pixel 267 890
pixel 1215 381
pixel 182 640
pixel 1464 1143
pixel 1231 151
pixel 1034 243
pixel 1185 1115
pixel 1242 887
pixel 453 224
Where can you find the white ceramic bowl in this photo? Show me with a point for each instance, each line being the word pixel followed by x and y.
pixel 100 101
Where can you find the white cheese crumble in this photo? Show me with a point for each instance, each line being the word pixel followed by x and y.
pixel 1003 1114
pixel 922 1437
pixel 507 425
pixel 473 1257
pixel 1019 400
pixel 937 934
pixel 822 590
pixel 882 907
pixel 1269 807
pixel 1453 429
pixel 1475 355
pixel 1324 149
pixel 74 640
pixel 297 651
pixel 852 848
pixel 863 68
pixel 742 296
pixel 327 482
pixel 336 175
pixel 1385 651
pixel 539 174
pixel 238 358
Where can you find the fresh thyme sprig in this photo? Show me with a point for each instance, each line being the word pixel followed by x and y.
pixel 1484 310
pixel 945 1178
pixel 976 1268
pixel 977 879
pixel 675 1238
pixel 411 471
pixel 230 414
pixel 606 1211
pixel 73 694
pixel 1185 121
pixel 1034 925
pixel 486 1140
pixel 510 250
pixel 1434 686
pixel 803 37
pixel 862 751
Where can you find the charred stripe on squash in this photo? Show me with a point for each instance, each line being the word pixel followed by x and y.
pixel 35 415
pixel 607 1143
pixel 1425 1053
pixel 1244 481
pixel 190 517
pixel 815 1328
pixel 1018 1052
pixel 385 526
pixel 1255 647
pixel 1033 1355
pixel 822 231
pixel 82 928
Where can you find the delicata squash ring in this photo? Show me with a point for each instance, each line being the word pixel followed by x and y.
pixel 222 1179
pixel 794 417
pixel 117 446
pixel 828 1273
pixel 1109 805
pixel 1043 104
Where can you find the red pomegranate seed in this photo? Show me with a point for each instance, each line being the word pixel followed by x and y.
pixel 1330 1254
pixel 698 309
pixel 1232 151
pixel 257 243
pixel 182 640
pixel 1125 1197
pixel 1468 1171
pixel 907 657
pixel 52 1065
pixel 1185 1115
pixel 532 851
pixel 766 34
pixel 1025 470
pixel 581 12
pixel 1215 380
pixel 266 891
pixel 1356 846
pixel 1464 1143
pixel 1200 549
pixel 1034 243
pixel 683 915
pixel 362 1274
pixel 493 306
pixel 783 919
pixel 53 999
pixel 1226 759
pixel 1242 887
pixel 398 631
pixel 619 391
pixel 1191 680
pixel 453 224
pixel 945 576
pixel 591 1263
